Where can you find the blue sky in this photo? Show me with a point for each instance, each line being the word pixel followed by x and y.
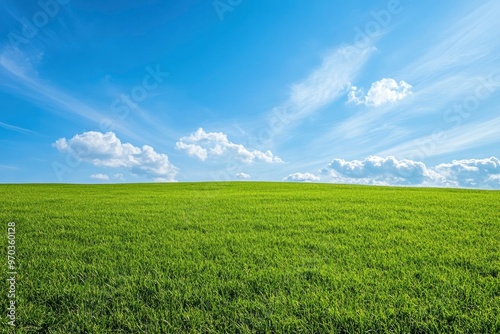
pixel 381 92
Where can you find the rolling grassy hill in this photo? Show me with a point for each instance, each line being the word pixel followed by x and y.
pixel 252 257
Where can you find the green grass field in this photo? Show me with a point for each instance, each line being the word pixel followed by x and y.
pixel 252 257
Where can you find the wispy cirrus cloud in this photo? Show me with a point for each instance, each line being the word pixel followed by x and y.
pixel 16 128
pixel 21 78
pixel 329 81
pixel 324 85
pixel 440 79
pixel 449 141
pixel 9 167
pixel 466 42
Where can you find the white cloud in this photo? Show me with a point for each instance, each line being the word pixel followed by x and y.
pixel 119 176
pixel 458 61
pixel 243 176
pixel 301 177
pixel 328 81
pixel 321 87
pixel 474 173
pixel 215 144
pixel 387 91
pixel 99 176
pixel 381 92
pixel 163 179
pixel 356 96
pixel 192 150
pixel 377 170
pixel 105 149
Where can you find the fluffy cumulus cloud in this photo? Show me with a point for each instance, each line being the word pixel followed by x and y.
pixel 301 177
pixel 106 150
pixel 243 176
pixel 99 176
pixel 474 173
pixel 381 92
pixel 377 170
pixel 216 144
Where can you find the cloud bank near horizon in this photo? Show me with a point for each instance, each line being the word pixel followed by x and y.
pixel 374 170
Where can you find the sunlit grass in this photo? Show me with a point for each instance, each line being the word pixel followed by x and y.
pixel 253 257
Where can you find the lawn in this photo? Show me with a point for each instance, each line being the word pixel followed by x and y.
pixel 252 257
